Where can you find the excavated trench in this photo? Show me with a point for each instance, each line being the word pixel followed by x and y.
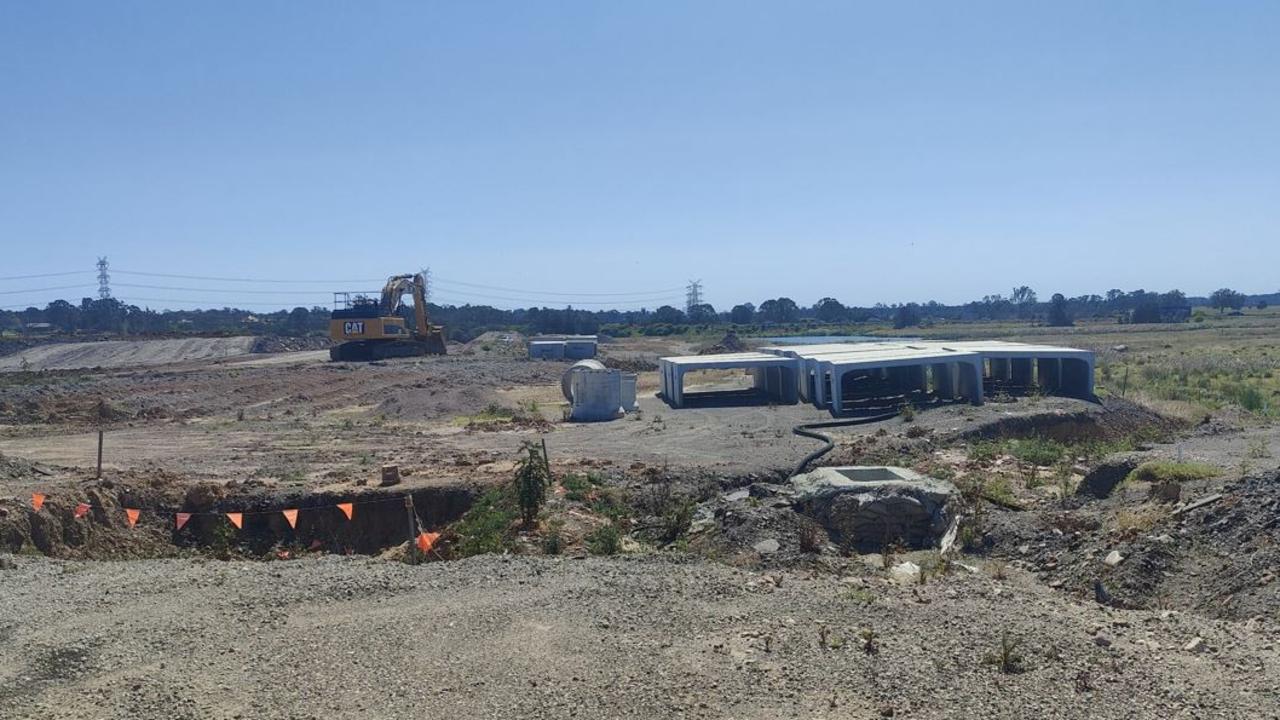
pixel 380 519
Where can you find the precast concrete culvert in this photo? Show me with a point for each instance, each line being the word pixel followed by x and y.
pixel 869 508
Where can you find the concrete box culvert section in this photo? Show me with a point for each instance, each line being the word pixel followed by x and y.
pixel 773 376
pixel 839 376
pixel 563 347
pixel 870 508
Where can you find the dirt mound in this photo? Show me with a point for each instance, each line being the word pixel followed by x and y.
pixel 104 533
pixel 1111 419
pixel 124 353
pixel 629 364
pixel 12 468
pixel 728 344
pixel 281 343
pixel 495 343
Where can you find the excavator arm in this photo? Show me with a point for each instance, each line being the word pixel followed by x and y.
pixel 393 296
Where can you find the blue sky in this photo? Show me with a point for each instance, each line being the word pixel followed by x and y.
pixel 868 151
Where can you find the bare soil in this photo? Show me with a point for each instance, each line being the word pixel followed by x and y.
pixel 1185 624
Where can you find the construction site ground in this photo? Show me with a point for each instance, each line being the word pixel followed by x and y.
pixel 709 628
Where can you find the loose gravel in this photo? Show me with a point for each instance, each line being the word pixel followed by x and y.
pixel 631 637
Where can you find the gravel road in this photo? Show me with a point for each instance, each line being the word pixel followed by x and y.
pixel 638 636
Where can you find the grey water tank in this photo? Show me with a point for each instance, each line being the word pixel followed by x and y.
pixel 566 380
pixel 597 395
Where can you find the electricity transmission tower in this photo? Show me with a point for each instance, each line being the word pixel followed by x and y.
pixel 104 280
pixel 692 296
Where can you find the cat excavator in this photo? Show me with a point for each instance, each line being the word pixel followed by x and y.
pixel 368 329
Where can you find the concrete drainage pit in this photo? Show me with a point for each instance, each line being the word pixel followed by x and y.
pixel 871 507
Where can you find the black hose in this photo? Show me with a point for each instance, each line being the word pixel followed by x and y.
pixel 809 430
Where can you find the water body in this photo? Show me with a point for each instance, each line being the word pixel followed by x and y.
pixel 825 339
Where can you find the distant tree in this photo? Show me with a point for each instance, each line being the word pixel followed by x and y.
pixel 668 315
pixel 702 314
pixel 1173 299
pixel 742 314
pixel 830 310
pixel 1023 295
pixel 62 315
pixel 1148 311
pixel 906 316
pixel 1058 316
pixel 298 320
pixel 781 310
pixel 1224 298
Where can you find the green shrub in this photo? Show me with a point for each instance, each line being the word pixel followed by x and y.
pixel 578 486
pixel 605 540
pixel 531 480
pixel 1171 471
pixel 486 527
pixel 1038 451
pixel 676 521
pixel 612 503
pixel 1006 657
pixel 552 542
pixel 984 451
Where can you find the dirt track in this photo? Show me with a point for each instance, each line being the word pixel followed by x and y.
pixel 640 637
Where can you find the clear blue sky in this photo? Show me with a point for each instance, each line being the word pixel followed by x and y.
pixel 872 152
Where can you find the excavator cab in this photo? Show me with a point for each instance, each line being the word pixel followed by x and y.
pixel 367 329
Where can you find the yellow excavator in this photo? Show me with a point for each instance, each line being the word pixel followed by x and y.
pixel 368 329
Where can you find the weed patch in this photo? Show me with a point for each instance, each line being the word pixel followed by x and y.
pixel 1171 471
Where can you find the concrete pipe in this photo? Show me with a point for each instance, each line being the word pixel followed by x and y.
pixel 566 380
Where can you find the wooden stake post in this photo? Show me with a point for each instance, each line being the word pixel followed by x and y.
pixel 102 418
pixel 413 528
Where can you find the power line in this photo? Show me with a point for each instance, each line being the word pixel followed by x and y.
pixel 45 275
pixel 269 281
pixel 225 303
pixel 45 289
pixel 637 293
pixel 234 290
pixel 557 301
pixel 245 280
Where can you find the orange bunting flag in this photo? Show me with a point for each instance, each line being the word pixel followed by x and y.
pixel 132 516
pixel 427 540
pixel 37 501
pixel 181 519
pixel 82 509
pixel 347 509
pixel 236 519
pixel 291 516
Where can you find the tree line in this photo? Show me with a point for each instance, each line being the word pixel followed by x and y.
pixel 462 322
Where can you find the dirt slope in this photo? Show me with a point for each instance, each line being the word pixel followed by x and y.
pixel 124 353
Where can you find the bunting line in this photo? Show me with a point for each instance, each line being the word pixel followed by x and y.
pixel 425 541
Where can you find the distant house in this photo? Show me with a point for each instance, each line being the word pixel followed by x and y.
pixel 37 328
